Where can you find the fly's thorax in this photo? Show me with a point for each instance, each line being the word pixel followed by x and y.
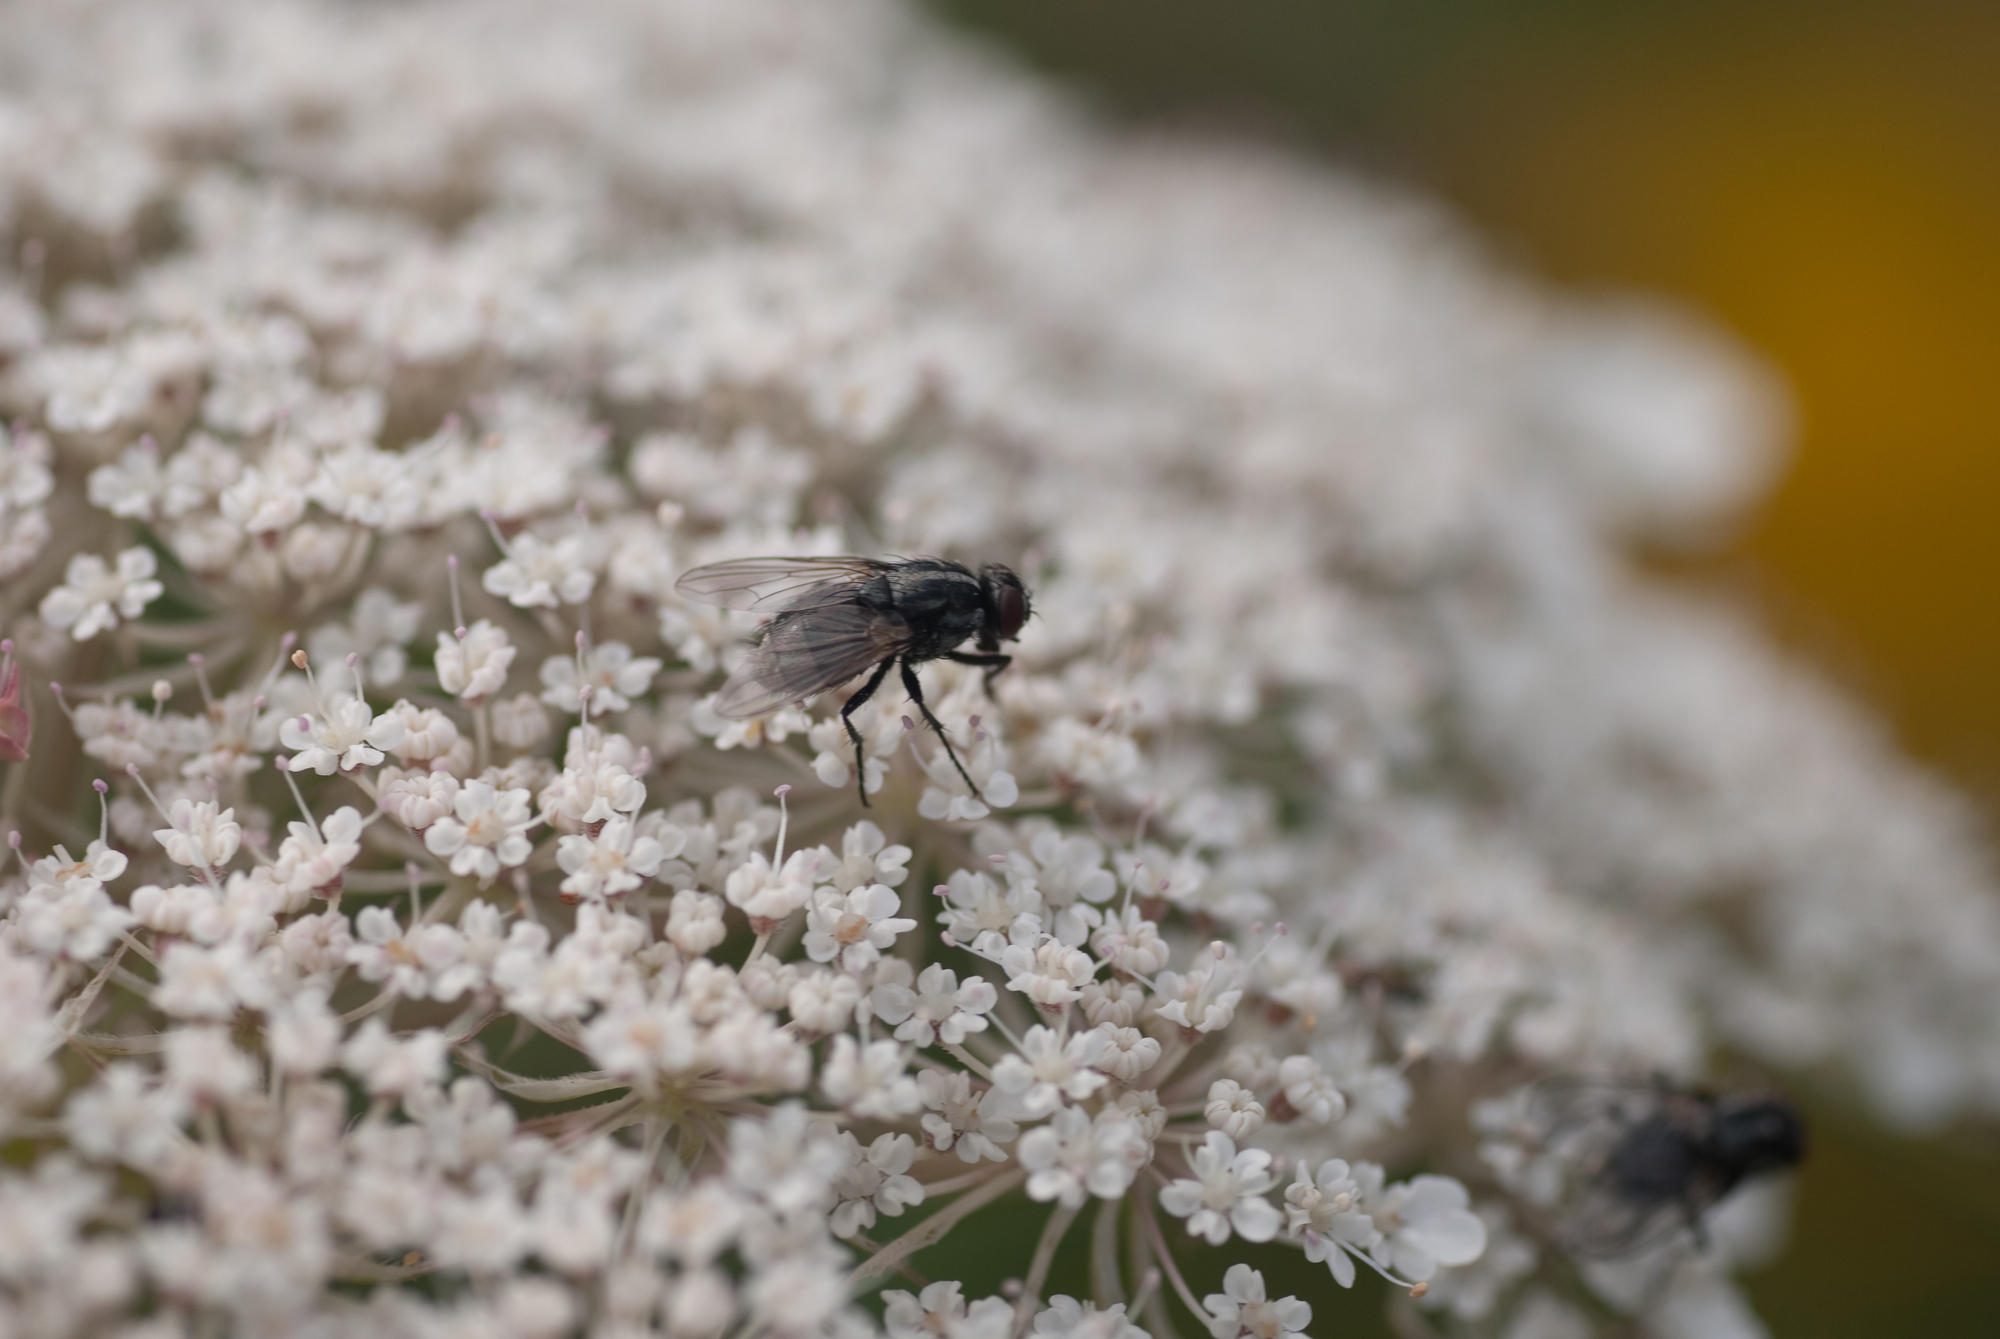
pixel 941 601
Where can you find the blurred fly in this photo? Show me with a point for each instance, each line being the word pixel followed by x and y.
pixel 1653 1158
pixel 836 618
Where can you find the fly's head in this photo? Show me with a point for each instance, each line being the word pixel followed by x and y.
pixel 1006 601
pixel 1758 1135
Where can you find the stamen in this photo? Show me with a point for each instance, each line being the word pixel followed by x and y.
pixel 1369 1260
pixel 354 665
pixel 457 607
pixel 200 663
pixel 163 693
pixel 487 515
pixel 284 766
pixel 62 701
pixel 300 660
pixel 1138 838
pixel 285 645
pixel 784 817
pixel 1278 931
pixel 132 770
pixel 103 788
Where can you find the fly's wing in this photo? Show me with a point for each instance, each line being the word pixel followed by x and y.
pixel 1602 1224
pixel 770 585
pixel 1589 1121
pixel 805 652
pixel 1584 1109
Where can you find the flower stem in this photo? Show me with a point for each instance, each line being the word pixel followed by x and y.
pixel 970 1061
pixel 1165 1258
pixel 1104 1280
pixel 635 1198
pixel 71 1014
pixel 932 1229
pixel 1038 1270
pixel 383 999
pixel 964 1181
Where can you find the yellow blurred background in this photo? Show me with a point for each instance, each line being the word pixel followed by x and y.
pixel 1823 178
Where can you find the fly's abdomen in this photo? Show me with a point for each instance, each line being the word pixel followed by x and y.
pixel 1655 1161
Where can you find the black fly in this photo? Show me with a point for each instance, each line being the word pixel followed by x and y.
pixel 837 617
pixel 1653 1158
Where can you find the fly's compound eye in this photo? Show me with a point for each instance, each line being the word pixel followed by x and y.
pixel 1013 611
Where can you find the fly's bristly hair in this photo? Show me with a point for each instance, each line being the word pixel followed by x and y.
pixel 834 619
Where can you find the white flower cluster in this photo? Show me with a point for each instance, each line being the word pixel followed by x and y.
pixel 439 963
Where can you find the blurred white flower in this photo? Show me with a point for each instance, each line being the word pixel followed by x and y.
pixel 95 595
pixel 202 835
pixel 1073 1155
pixel 873 1181
pixel 1241 1309
pixel 1225 1193
pixel 381 626
pixel 615 861
pixel 1425 1222
pixel 963 1121
pixel 854 928
pixel 349 735
pixel 1049 1070
pixel 939 1009
pixel 486 831
pixel 518 1027
pixel 609 670
pixel 474 667
pixel 539 573
pixel 312 858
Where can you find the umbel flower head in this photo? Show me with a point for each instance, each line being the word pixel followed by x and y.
pixel 439 961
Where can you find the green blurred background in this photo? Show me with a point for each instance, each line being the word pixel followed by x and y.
pixel 1821 177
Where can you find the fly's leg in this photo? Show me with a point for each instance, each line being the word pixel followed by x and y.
pixel 993 663
pixel 867 691
pixel 1695 1225
pixel 917 696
